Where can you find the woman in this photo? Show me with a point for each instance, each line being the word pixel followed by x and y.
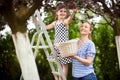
pixel 82 63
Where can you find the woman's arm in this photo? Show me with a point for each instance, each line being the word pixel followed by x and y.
pixel 86 61
pixel 90 54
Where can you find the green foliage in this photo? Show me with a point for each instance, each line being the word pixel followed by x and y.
pixel 43 66
pixel 106 61
pixel 9 67
pixel 74 29
pixel 49 19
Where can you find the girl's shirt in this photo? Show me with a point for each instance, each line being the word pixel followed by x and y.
pixel 79 69
pixel 61 32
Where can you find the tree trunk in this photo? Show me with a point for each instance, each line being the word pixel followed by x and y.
pixel 117 39
pixel 25 56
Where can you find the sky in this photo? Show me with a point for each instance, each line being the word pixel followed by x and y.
pixel 8 30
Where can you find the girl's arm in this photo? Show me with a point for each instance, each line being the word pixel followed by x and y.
pixel 38 23
pixel 86 61
pixel 50 26
pixel 70 17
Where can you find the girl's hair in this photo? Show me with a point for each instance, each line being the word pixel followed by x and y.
pixel 91 28
pixel 60 6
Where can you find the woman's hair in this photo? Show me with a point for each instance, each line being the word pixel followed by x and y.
pixel 60 6
pixel 91 28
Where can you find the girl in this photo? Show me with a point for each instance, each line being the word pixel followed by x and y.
pixel 61 25
pixel 82 66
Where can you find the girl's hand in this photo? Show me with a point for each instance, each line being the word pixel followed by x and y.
pixel 35 20
pixel 75 10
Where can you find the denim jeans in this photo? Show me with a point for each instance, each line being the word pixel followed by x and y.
pixel 90 76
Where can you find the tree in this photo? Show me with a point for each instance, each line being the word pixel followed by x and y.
pixel 106 61
pixel 9 66
pixel 15 13
pixel 110 8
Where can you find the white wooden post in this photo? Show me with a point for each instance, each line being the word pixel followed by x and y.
pixel 25 56
pixel 117 39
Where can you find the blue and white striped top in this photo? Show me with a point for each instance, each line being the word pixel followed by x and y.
pixel 79 69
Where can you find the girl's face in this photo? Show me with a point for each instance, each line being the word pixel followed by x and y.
pixel 85 29
pixel 62 13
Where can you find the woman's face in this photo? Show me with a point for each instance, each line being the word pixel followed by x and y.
pixel 62 13
pixel 85 29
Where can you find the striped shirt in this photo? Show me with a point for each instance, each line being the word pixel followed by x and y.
pixel 79 69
